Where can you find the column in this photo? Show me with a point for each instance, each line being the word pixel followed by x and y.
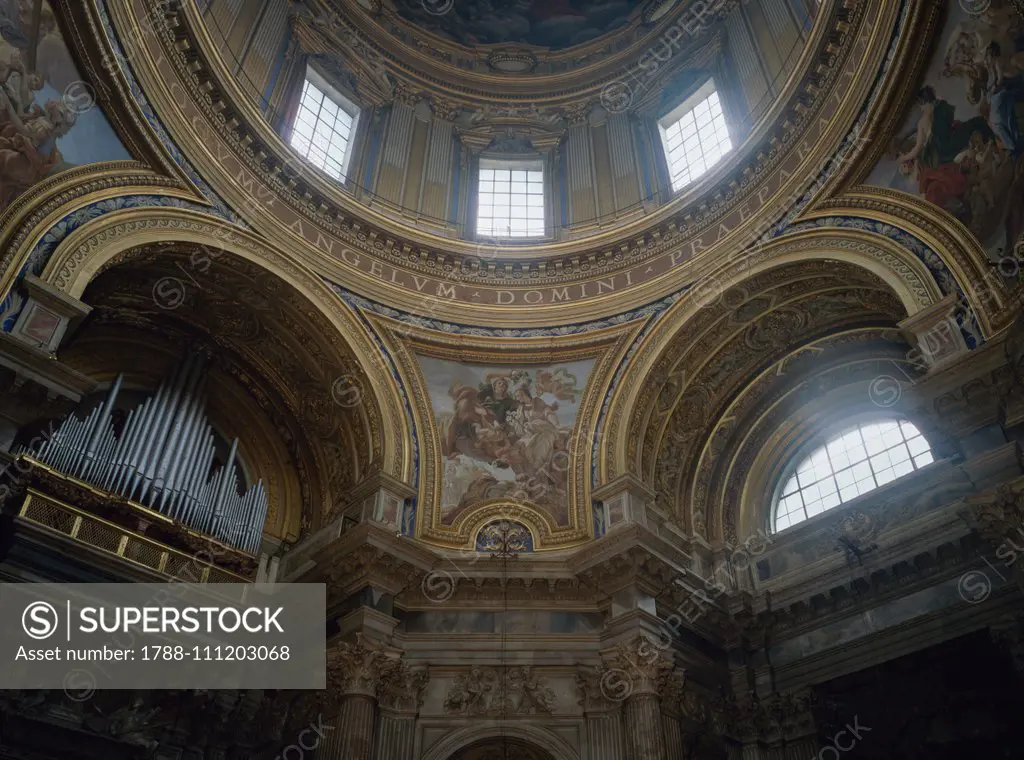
pixel 672 716
pixel 644 731
pixel 636 672
pixel 353 736
pixel 353 676
pixel 580 171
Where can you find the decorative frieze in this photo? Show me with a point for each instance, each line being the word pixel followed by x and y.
pixel 496 692
pixel 999 514
pixel 401 688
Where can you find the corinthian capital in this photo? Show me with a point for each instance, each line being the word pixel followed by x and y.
pixel 357 667
pixel 637 666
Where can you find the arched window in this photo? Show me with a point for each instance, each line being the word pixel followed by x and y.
pixel 858 460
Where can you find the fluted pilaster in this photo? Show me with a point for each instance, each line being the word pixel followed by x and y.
pixel 353 738
pixel 603 715
pixel 673 737
pixel 644 730
pixel 395 739
pixel 360 675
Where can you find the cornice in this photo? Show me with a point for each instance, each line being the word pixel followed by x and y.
pixel 424 62
pixel 327 213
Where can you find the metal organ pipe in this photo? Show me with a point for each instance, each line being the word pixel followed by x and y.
pixel 96 433
pixel 162 458
pixel 157 436
pixel 187 452
pixel 173 449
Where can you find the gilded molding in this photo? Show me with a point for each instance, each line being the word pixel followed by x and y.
pixel 316 198
pixel 650 369
pixel 96 245
pixel 403 342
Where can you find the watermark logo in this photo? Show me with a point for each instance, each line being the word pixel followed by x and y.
pixel 438 585
pixel 39 620
pixel 616 96
pixel 974 587
pixel 616 685
pixel 885 391
pixel 437 7
pixel 168 293
pixel 79 685
pixel 975 7
pixel 347 391
pixel 79 97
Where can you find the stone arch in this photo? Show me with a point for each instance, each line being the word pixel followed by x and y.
pixel 532 735
pixel 958 249
pixel 898 269
pixel 116 237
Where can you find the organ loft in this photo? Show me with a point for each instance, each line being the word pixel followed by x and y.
pixel 638 379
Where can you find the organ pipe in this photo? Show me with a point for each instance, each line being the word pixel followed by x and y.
pixel 162 459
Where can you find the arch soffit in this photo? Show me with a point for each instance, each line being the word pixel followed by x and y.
pixel 110 239
pixel 462 738
pixel 899 269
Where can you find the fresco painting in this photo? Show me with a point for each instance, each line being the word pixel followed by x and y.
pixel 961 146
pixel 547 23
pixel 505 432
pixel 48 117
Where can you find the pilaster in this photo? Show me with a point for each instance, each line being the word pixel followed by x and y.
pixel 366 680
pixel 935 335
pixel 47 316
pixel 624 501
pixel 380 498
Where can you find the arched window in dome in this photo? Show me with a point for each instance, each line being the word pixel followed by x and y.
pixel 695 136
pixel 849 464
pixel 324 126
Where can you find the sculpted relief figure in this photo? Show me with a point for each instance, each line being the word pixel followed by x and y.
pixel 486 691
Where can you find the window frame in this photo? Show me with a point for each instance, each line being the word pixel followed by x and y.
pixel 670 119
pixel 799 454
pixel 344 103
pixel 529 162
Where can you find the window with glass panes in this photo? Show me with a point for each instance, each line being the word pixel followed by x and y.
pixel 323 127
pixel 510 199
pixel 694 136
pixel 852 463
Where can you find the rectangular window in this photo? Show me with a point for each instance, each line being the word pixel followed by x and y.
pixel 324 126
pixel 695 136
pixel 510 199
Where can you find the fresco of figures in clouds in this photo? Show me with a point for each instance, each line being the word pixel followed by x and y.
pixel 48 119
pixel 505 432
pixel 961 146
